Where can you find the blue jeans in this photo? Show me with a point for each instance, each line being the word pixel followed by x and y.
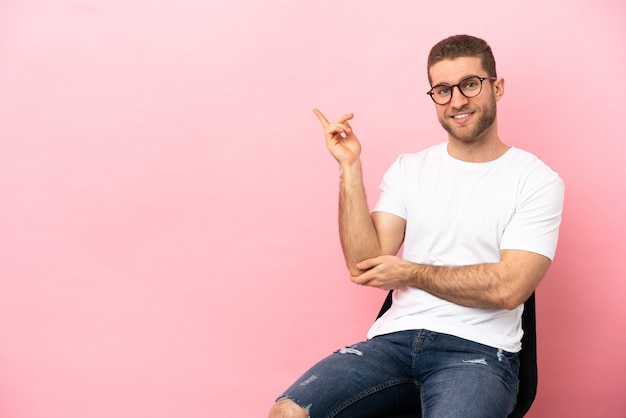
pixel 409 371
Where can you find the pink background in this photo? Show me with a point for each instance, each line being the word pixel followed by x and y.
pixel 168 220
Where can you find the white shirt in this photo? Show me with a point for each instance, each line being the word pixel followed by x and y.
pixel 459 213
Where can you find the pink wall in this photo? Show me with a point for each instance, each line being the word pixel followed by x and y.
pixel 168 243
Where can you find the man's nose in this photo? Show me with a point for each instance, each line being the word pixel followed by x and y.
pixel 458 100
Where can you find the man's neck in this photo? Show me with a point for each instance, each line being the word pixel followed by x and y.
pixel 487 147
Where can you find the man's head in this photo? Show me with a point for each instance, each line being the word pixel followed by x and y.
pixel 462 46
pixel 465 88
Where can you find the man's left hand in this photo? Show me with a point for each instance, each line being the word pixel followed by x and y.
pixel 386 272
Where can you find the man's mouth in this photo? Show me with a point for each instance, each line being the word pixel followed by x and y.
pixel 462 118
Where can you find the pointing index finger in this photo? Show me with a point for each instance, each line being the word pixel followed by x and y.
pixel 321 117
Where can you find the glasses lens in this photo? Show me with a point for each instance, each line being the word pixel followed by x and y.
pixel 441 94
pixel 470 87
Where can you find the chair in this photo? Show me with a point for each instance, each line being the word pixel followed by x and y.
pixel 527 358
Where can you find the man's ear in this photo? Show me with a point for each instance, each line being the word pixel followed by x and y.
pixel 498 88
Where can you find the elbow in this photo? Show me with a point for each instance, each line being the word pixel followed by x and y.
pixel 502 302
pixel 511 300
pixel 354 271
pixel 510 304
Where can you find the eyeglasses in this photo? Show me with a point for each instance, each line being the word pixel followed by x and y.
pixel 469 87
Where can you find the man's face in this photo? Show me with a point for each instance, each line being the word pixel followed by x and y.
pixel 466 119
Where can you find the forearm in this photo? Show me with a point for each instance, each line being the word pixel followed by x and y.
pixel 357 233
pixel 479 286
pixel 502 285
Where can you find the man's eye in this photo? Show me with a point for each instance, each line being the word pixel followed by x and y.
pixel 443 91
pixel 470 84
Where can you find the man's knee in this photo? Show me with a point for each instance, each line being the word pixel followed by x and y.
pixel 286 408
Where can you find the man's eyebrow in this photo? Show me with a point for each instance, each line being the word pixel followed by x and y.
pixel 463 78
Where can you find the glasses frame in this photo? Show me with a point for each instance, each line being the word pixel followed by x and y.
pixel 431 92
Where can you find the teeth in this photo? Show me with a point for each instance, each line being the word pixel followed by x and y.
pixel 461 116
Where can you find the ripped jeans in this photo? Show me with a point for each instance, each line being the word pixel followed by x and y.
pixel 409 371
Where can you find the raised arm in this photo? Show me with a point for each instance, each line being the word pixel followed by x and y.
pixel 362 236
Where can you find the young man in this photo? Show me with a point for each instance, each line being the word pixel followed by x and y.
pixel 479 221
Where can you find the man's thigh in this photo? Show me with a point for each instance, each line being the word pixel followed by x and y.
pixel 363 380
pixel 460 378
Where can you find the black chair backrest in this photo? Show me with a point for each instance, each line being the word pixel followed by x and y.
pixel 527 357
pixel 527 361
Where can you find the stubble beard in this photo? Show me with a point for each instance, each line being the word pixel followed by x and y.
pixel 485 120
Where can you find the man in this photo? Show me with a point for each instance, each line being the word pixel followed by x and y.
pixel 479 221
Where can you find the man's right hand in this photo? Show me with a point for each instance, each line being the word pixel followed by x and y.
pixel 340 140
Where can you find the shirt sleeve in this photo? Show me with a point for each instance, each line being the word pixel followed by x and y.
pixel 390 199
pixel 535 224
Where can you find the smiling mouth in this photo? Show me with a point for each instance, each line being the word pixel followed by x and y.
pixel 461 116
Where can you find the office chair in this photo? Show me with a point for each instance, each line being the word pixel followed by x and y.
pixel 527 361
